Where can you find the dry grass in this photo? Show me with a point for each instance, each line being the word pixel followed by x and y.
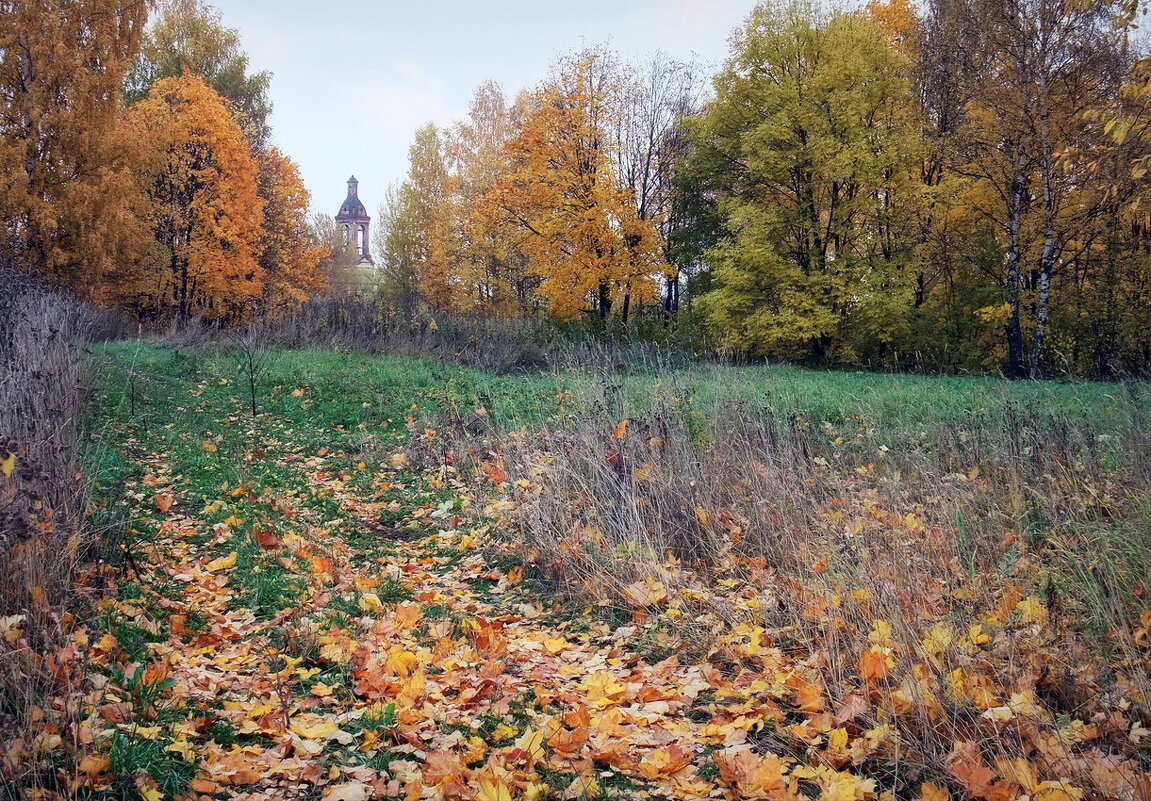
pixel 816 530
pixel 42 501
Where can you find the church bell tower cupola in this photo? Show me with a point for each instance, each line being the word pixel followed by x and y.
pixel 354 219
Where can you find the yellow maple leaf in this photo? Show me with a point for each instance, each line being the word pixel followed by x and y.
pixel 555 645
pixel 184 749
pixel 8 464
pixel 1032 610
pixel 603 690
pixel 151 794
pixel 223 563
pixel 531 742
pixel 1056 791
pixel 492 789
pixel 842 785
pixel 837 740
pixel 929 791
pixel 315 729
pixel 370 602
pixel 880 633
pixel 938 639
pixel 503 731
pixel 401 663
pixel 978 635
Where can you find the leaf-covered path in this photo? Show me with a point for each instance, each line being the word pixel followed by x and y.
pixel 299 644
pixel 294 621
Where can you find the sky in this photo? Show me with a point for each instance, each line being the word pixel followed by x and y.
pixel 352 81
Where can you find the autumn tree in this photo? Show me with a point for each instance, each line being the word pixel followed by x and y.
pixel 653 99
pixel 289 256
pixel 577 226
pixel 67 195
pixel 1043 64
pixel 478 158
pixel 415 242
pixel 205 209
pixel 190 35
pixel 808 148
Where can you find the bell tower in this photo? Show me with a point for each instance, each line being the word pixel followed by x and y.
pixel 354 219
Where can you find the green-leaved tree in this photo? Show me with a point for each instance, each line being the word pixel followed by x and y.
pixel 807 149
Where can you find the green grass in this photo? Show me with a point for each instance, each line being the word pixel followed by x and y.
pixel 131 755
pixel 358 398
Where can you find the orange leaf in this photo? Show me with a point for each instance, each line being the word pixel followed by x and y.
pixel 266 539
pixel 966 764
pixel 644 593
pixel 94 764
pixel 751 775
pixel 164 502
pixel 929 791
pixel 875 663
pixel 620 430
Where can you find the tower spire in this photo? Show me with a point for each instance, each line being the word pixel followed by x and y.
pixel 354 220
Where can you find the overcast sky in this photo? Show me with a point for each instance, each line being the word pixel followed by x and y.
pixel 350 87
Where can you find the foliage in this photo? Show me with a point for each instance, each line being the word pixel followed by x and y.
pixel 807 146
pixel 206 211
pixel 407 578
pixel 190 35
pixel 578 228
pixel 67 196
pixel 414 236
pixel 290 255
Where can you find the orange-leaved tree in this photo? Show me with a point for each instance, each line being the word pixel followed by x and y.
pixel 206 210
pixel 288 255
pixel 577 225
pixel 67 194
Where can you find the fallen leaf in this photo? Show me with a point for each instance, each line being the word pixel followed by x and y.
pixel 315 729
pixel 348 791
pixel 966 764
pixel 645 593
pixel 222 563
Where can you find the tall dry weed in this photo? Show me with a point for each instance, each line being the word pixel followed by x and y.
pixel 42 489
pixel 880 555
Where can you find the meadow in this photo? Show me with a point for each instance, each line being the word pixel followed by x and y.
pixel 403 578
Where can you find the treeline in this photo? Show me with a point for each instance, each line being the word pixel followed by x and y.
pixel 953 185
pixel 137 165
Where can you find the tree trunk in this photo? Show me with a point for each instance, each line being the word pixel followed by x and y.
pixel 1048 256
pixel 1015 206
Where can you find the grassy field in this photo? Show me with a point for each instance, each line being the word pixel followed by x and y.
pixel 403 579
